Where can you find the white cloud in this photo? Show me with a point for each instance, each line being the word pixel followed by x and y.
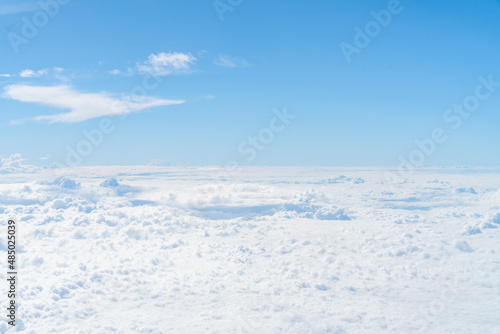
pixel 226 61
pixel 14 164
pixel 29 73
pixel 129 72
pixel 167 63
pixel 5 75
pixel 82 106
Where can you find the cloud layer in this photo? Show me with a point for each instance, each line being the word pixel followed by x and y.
pixel 267 252
pixel 82 106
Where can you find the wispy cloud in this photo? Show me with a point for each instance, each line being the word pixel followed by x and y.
pixel 16 8
pixel 115 72
pixel 32 74
pixel 127 73
pixel 82 106
pixel 167 63
pixel 29 73
pixel 226 61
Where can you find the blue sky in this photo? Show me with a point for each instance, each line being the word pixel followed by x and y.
pixel 221 81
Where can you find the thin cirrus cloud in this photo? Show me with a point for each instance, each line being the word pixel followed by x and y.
pixel 82 106
pixel 226 61
pixel 16 8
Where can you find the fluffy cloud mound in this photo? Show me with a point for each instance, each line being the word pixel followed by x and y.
pixel 62 182
pixel 466 190
pixel 167 63
pixel 112 183
pixel 14 164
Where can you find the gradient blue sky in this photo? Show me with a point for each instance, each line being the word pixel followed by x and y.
pixel 276 53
